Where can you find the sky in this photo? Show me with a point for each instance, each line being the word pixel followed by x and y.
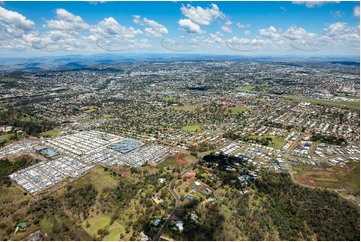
pixel 274 28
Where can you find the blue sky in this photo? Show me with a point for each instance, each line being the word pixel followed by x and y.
pixel 240 28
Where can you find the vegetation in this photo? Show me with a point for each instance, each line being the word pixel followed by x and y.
pixel 355 105
pixel 329 139
pixel 328 176
pixel 188 108
pixel 275 142
pixel 192 128
pixel 50 133
pixel 278 209
pixel 30 124
pixel 238 109
pixel 7 167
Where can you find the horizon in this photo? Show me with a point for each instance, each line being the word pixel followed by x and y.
pixel 254 29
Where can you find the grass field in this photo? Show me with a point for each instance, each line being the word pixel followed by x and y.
pixel 99 178
pixel 355 105
pixel 114 231
pixel 332 177
pixel 50 133
pixel 97 222
pixel 236 110
pixel 245 89
pixel 6 136
pixel 189 108
pixel 192 128
pixel 277 142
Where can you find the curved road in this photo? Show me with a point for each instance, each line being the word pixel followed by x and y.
pixel 177 205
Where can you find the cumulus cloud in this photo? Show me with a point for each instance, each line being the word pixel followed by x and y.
pixel 190 27
pixel 241 26
pixel 110 27
pixel 311 4
pixel 200 15
pixel 340 31
pixel 216 37
pixel 15 22
pixel 227 29
pixel 337 14
pixel 228 22
pixel 153 29
pixel 356 11
pixel 66 21
pixel 297 33
pixel 247 33
pixel 271 33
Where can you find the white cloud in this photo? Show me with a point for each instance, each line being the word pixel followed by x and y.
pixel 227 29
pixel 190 27
pixel 337 14
pixel 66 21
pixel 340 31
pixel 244 44
pixel 356 11
pixel 228 22
pixel 13 21
pixel 247 33
pixel 202 16
pixel 110 27
pixel 311 4
pixel 271 33
pixel 241 26
pixel 153 29
pixel 216 37
pixel 297 33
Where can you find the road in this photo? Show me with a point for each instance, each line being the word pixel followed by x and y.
pixel 177 205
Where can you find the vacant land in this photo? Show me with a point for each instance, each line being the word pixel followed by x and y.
pixel 355 105
pixel 192 128
pixel 50 133
pixel 332 177
pixel 6 136
pixel 167 99
pixel 189 108
pixel 245 89
pixel 276 142
pixel 239 109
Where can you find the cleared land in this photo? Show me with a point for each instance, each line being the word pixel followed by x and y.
pixel 6 136
pixel 192 128
pixel 50 133
pixel 245 89
pixel 276 142
pixel 189 108
pixel 332 177
pixel 167 99
pixel 355 105
pixel 239 109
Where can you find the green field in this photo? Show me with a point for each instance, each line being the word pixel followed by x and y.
pixel 170 160
pixel 167 99
pixel 99 178
pixel 276 143
pixel 236 110
pixel 6 136
pixel 97 222
pixel 50 133
pixel 245 89
pixel 355 105
pixel 7 80
pixel 189 108
pixel 192 128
